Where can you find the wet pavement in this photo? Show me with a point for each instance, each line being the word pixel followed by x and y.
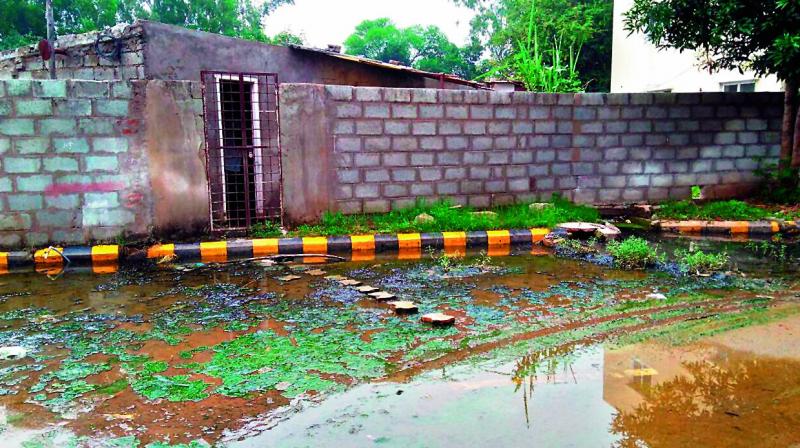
pixel 545 351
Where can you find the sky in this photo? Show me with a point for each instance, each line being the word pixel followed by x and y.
pixel 324 22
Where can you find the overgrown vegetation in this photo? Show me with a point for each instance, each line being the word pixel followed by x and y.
pixel 445 217
pixel 634 253
pixel 779 185
pixel 775 249
pixel 717 210
pixel 695 261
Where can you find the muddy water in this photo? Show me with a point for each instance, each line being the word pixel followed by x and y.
pixel 233 354
pixel 741 388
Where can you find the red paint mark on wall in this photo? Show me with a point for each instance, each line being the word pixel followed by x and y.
pixel 131 127
pixel 133 199
pixel 78 187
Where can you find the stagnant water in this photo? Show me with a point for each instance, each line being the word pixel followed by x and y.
pixel 545 352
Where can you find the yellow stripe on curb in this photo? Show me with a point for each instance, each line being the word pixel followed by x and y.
pixel 105 254
pixel 538 234
pixel 362 243
pixel 497 238
pixel 265 246
pixel 738 227
pixel 49 256
pixel 455 243
pixel 161 251
pixel 216 251
pixel 776 226
pixel 315 245
pixel 3 263
pixel 409 241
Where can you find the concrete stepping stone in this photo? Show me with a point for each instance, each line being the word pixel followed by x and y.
pixel 438 319
pixel 382 295
pixel 367 289
pixel 350 282
pixel 316 272
pixel 289 278
pixel 404 307
pixel 336 278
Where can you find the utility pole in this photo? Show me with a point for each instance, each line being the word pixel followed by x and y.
pixel 51 37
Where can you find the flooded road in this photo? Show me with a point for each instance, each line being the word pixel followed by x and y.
pixel 545 351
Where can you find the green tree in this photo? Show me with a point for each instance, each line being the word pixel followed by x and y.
pixel 287 38
pixel 424 48
pixel 758 35
pixel 22 21
pixel 581 25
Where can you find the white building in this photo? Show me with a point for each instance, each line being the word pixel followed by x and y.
pixel 638 66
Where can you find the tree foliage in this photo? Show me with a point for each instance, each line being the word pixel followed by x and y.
pixel 585 25
pixel 22 21
pixel 425 48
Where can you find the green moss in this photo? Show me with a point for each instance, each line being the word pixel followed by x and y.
pixel 113 388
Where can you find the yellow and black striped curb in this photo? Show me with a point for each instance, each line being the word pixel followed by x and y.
pixel 732 228
pixel 106 258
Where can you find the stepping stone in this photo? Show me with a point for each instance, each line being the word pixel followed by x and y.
pixel 439 319
pixel 288 278
pixel 316 272
pixel 336 278
pixel 404 307
pixel 366 289
pixel 382 295
pixel 350 282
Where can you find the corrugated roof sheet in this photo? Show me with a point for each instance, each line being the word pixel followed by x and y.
pixel 375 63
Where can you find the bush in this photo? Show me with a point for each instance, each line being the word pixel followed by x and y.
pixel 633 253
pixel 266 229
pixel 699 262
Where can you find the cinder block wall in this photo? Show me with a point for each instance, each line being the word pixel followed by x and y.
pixel 75 160
pixel 384 147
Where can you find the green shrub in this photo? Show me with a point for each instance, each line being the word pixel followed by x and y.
pixel 699 262
pixel 633 253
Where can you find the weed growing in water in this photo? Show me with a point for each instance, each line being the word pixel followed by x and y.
pixel 775 249
pixel 634 253
pixel 699 262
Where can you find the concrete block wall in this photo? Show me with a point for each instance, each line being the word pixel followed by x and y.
pixel 78 158
pixel 390 146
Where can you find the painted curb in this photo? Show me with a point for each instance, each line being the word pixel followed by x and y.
pixel 732 228
pixel 107 258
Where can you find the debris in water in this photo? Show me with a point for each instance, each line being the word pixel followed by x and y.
pixel 439 319
pixel 10 353
pixel 167 259
pixel 655 296
pixel 367 289
pixel 382 295
pixel 350 282
pixel 288 278
pixel 316 272
pixel 404 307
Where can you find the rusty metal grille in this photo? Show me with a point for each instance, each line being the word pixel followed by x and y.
pixel 243 152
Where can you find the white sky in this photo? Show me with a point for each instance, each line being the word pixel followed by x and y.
pixel 324 22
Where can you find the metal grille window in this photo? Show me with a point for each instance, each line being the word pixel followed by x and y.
pixel 242 148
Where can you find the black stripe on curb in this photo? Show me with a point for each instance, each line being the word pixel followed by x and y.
pixel 477 240
pixel 340 244
pixel 78 255
pixel 431 241
pixel 386 243
pixel 521 237
pixel 287 246
pixel 189 251
pixel 239 249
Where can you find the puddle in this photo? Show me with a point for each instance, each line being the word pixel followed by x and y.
pixel 235 353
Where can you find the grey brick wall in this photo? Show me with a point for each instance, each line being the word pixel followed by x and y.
pixel 485 148
pixel 72 167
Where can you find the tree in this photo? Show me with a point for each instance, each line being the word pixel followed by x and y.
pixel 758 35
pixel 424 48
pixel 287 38
pixel 22 21
pixel 585 25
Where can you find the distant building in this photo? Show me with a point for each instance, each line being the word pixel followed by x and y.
pixel 638 66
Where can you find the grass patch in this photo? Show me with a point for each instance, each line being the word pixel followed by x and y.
pixel 718 210
pixel 446 217
pixel 633 253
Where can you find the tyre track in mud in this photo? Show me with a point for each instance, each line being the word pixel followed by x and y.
pixel 711 308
